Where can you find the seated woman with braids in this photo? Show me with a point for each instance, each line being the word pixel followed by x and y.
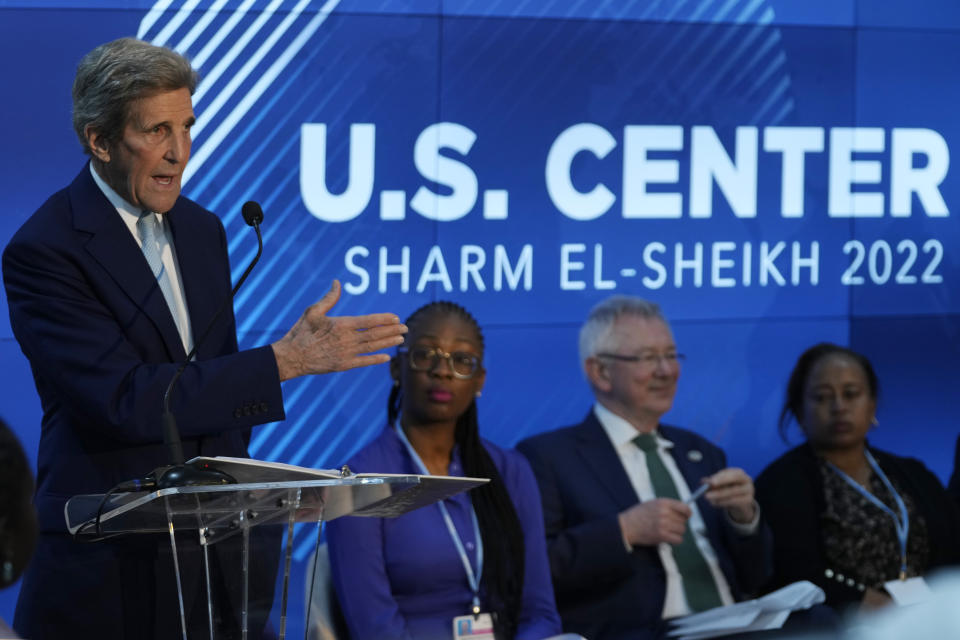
pixel 845 515
pixel 410 577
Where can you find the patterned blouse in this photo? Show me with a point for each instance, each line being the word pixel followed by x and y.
pixel 860 540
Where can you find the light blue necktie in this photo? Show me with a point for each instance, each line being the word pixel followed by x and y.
pixel 148 228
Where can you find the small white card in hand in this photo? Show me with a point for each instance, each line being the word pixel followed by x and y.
pixel 470 627
pixel 912 591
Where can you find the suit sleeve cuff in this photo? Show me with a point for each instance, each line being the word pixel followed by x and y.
pixel 746 528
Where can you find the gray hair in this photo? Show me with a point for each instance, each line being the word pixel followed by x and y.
pixel 114 75
pixel 596 332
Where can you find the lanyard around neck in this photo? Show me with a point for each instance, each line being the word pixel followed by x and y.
pixel 473 577
pixel 901 522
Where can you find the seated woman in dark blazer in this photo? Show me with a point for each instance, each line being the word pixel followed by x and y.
pixel 409 577
pixel 844 515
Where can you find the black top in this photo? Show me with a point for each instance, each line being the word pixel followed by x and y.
pixel 954 486
pixel 792 495
pixel 860 539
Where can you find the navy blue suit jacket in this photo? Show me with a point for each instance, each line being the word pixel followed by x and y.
pixel 603 591
pixel 102 345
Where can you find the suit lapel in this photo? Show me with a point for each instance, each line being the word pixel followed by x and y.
pixel 603 462
pixel 691 462
pixel 112 245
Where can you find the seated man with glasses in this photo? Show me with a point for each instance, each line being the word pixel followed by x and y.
pixel 632 539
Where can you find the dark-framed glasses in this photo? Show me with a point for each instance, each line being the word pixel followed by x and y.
pixel 463 365
pixel 648 360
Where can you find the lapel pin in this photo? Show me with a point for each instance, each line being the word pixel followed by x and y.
pixel 694 455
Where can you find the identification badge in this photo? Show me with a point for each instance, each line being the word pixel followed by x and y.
pixel 470 627
pixel 911 591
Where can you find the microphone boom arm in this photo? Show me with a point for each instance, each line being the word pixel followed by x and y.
pixel 180 473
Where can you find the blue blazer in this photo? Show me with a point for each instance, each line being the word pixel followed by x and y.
pixel 102 345
pixel 603 591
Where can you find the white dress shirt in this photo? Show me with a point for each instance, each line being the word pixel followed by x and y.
pixel 621 434
pixel 130 214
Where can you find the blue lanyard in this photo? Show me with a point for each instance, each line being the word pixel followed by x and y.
pixel 901 523
pixel 473 578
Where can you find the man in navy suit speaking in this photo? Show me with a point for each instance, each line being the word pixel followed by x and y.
pixel 630 544
pixel 110 285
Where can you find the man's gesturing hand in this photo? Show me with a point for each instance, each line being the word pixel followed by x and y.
pixel 321 344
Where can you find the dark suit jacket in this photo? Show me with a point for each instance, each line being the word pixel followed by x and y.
pixel 790 493
pixel 604 592
pixel 102 346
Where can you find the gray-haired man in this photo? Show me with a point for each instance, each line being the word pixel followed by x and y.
pixel 630 544
pixel 109 285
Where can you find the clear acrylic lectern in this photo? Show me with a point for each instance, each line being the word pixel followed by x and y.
pixel 265 493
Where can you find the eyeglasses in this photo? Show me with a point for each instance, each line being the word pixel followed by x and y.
pixel 648 360
pixel 463 365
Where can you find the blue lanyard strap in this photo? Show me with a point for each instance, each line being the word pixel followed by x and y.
pixel 473 577
pixel 901 522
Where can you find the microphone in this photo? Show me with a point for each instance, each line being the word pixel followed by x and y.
pixel 180 474
pixel 252 214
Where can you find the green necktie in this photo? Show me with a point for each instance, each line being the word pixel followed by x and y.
pixel 698 583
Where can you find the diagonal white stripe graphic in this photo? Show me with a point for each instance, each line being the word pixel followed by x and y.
pixel 211 78
pixel 199 27
pixel 152 16
pixel 161 38
pixel 221 34
pixel 211 144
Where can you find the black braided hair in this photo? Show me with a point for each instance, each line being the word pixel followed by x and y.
pixel 500 530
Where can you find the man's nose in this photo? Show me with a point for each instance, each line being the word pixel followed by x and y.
pixel 179 149
pixel 662 365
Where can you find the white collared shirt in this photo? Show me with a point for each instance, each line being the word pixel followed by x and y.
pixel 621 434
pixel 130 214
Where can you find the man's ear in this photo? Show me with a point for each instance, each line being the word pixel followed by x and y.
pixel 598 373
pixel 98 144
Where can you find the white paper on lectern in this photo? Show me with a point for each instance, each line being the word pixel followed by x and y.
pixel 251 470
